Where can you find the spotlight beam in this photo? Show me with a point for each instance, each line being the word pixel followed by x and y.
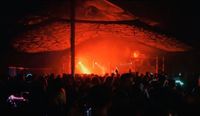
pixel 83 68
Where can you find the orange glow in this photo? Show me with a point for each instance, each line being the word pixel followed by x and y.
pixel 136 54
pixel 108 50
pixel 100 67
pixel 83 68
pixel 104 53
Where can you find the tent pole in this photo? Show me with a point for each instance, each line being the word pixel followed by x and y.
pixel 72 36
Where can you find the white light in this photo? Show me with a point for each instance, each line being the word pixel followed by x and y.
pixel 180 82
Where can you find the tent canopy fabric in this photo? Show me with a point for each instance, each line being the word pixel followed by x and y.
pixel 45 35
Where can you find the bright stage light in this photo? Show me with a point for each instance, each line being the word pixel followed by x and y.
pixel 83 68
pixel 79 62
pixel 136 54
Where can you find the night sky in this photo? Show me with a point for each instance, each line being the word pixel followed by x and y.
pixel 177 18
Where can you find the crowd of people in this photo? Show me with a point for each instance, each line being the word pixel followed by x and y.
pixel 129 94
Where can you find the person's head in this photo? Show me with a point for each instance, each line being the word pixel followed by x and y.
pixel 58 84
pixel 95 81
pixel 108 81
pixel 125 80
pixel 52 76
